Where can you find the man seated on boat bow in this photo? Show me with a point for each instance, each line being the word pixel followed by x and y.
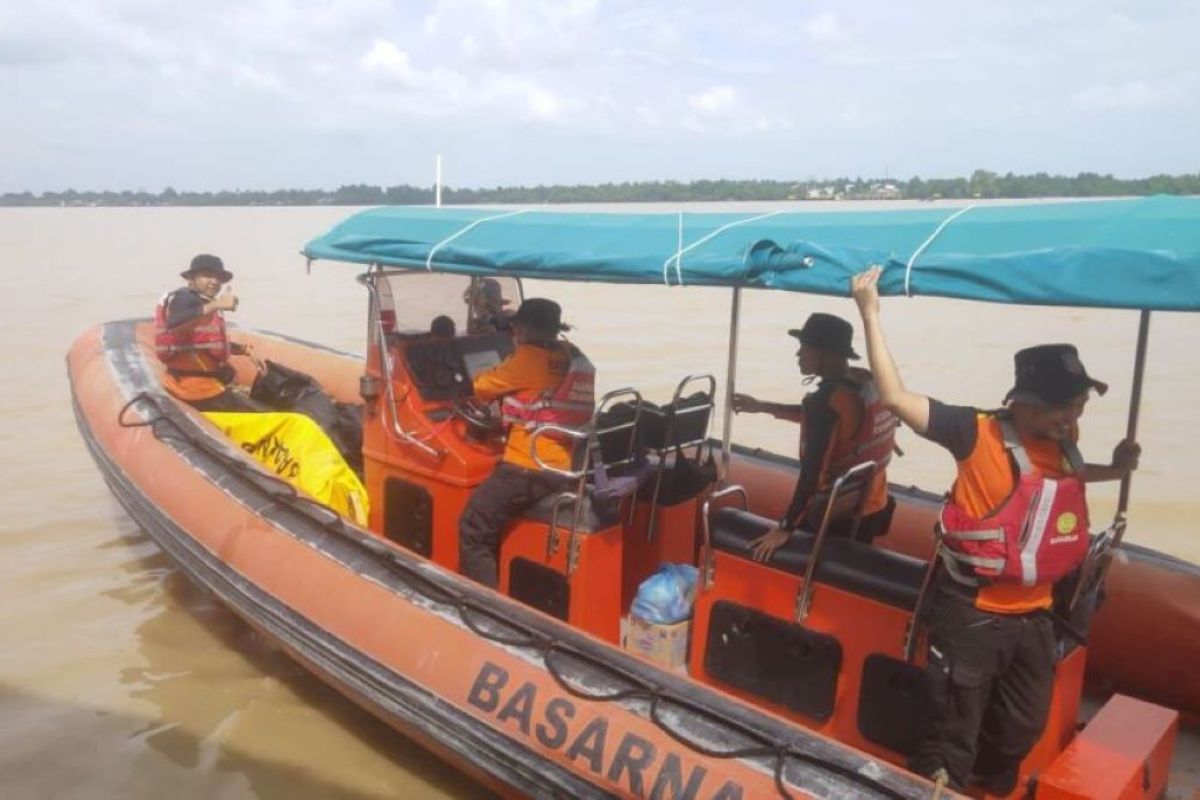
pixel 546 380
pixel 191 339
pixel 844 424
pixel 1016 522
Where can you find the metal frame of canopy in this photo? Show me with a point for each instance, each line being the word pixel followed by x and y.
pixel 1105 250
pixel 1098 563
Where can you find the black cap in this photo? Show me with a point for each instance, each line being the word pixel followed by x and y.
pixel 827 332
pixel 1050 375
pixel 209 264
pixel 540 314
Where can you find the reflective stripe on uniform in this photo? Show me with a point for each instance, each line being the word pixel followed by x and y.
pixel 975 536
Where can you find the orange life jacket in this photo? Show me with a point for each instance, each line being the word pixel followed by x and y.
pixel 1037 535
pixel 570 403
pixel 875 438
pixel 206 338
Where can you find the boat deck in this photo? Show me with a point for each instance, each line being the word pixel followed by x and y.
pixel 1185 768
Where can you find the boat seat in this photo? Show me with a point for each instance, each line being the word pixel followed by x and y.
pixel 597 513
pixel 882 575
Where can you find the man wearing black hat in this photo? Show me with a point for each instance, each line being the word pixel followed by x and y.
pixel 1015 522
pixel 191 339
pixel 546 381
pixel 844 424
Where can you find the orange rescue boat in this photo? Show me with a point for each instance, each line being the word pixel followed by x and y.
pixel 804 675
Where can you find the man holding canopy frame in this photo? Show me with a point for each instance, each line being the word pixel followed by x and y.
pixel 1019 488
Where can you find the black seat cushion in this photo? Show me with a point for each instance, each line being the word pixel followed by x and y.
pixel 882 575
pixel 596 514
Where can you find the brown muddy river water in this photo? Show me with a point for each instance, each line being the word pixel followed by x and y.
pixel 118 678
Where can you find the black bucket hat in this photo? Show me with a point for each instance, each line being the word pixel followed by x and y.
pixel 1050 375
pixel 828 332
pixel 541 314
pixel 210 264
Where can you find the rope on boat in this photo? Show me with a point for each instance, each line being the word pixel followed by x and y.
pixel 462 230
pixel 925 246
pixel 550 649
pixel 680 249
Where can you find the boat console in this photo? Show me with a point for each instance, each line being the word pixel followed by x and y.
pixel 442 369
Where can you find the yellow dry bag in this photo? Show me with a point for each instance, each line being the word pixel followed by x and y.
pixel 297 450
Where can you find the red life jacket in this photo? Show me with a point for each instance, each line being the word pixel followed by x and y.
pixel 875 438
pixel 570 403
pixel 206 337
pixel 1037 535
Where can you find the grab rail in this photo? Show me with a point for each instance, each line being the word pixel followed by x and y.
pixel 668 435
pixel 866 469
pixel 385 365
pixel 706 522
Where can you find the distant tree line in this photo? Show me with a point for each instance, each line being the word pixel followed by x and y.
pixel 981 184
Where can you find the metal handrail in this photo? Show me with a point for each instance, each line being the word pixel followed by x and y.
pixel 589 435
pixel 705 510
pixel 867 469
pixel 705 407
pixel 579 475
pixel 676 412
pixel 914 624
pixel 603 405
pixel 385 364
pixel 1095 565
pixel 706 575
pixel 552 534
pixel 570 433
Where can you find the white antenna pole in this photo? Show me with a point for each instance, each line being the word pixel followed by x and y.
pixel 437 185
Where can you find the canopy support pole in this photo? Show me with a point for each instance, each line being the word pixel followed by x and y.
pixel 735 309
pixel 1095 570
pixel 437 181
pixel 1135 408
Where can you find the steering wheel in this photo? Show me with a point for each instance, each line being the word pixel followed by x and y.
pixel 480 418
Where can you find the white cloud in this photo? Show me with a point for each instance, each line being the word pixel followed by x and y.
pixel 503 91
pixel 1123 96
pixel 713 101
pixel 516 31
pixel 248 75
pixel 442 92
pixel 824 27
pixel 389 61
pixel 926 88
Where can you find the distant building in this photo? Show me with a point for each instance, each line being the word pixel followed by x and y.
pixel 885 191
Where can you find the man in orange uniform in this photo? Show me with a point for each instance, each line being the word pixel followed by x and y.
pixel 844 424
pixel 190 338
pixel 545 381
pixel 992 646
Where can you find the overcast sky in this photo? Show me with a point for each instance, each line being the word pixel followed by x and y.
pixel 263 94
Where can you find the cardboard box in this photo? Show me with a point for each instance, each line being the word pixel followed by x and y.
pixel 666 645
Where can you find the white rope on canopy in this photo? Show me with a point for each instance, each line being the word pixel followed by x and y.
pixel 678 256
pixel 925 245
pixel 462 230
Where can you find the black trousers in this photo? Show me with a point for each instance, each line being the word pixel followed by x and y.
pixel 991 678
pixel 506 493
pixel 870 527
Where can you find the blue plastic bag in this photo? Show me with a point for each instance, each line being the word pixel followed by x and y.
pixel 666 596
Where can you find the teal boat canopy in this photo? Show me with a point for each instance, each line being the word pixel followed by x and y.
pixel 1136 253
